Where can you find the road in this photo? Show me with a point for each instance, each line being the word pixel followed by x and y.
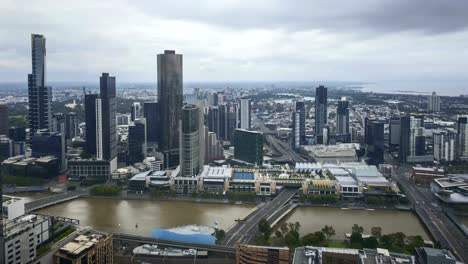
pixel 286 151
pixel 245 232
pixel 433 216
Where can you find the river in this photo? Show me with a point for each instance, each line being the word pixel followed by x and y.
pixel 315 218
pixel 112 215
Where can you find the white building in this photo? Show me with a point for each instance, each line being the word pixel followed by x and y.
pixel 245 116
pixel 13 207
pixel 433 103
pixel 444 145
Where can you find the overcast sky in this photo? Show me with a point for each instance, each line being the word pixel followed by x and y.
pixel 228 40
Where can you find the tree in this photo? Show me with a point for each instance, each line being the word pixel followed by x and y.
pixel 220 234
pixel 313 239
pixel 370 242
pixel 356 240
pixel 414 242
pixel 358 229
pixel 292 239
pixel 376 231
pixel 264 228
pixel 329 231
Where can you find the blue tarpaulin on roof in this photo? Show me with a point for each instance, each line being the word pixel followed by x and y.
pixel 192 238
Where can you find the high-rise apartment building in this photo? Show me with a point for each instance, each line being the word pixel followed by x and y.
pixel 170 98
pixel 245 115
pixel 417 137
pixel 39 94
pixel 462 137
pixel 394 129
pixel 342 120
pixel 296 123
pixel 191 141
pixel 433 103
pixel 106 130
pixel 300 108
pixel 71 125
pixel 135 111
pixel 321 99
pixel 444 145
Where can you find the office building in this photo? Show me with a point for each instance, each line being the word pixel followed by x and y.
pixel 90 121
pixel 296 136
pixel 170 85
pixel 462 137
pixel 71 126
pixel 231 121
pixel 213 121
pixel 17 134
pixel 394 129
pixel 213 147
pixel 82 169
pixel 250 254
pixel 444 145
pixel 135 111
pixel 320 112
pixel 137 141
pixel 248 146
pixel 6 148
pixel 105 121
pixel 39 94
pixel 4 122
pixel 58 123
pixel 300 107
pixel 45 143
pixel 375 142
pixel 245 115
pixel 405 133
pixel 342 120
pixel 433 103
pixel 191 141
pixel 417 137
pixel 151 114
pixel 92 247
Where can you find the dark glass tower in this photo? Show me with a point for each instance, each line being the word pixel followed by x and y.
pixel 320 112
pixel 375 142
pixel 39 95
pixel 151 114
pixel 405 134
pixel 90 120
pixel 137 141
pixel 300 107
pixel 170 98
pixel 4 123
pixel 248 146
pixel 107 129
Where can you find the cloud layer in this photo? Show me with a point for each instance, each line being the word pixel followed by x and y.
pixel 364 40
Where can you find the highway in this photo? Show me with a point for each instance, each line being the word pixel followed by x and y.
pixel 54 199
pixel 431 213
pixel 246 231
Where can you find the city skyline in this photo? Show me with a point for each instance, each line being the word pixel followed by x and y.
pixel 285 42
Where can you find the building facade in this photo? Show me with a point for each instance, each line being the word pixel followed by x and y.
pixel 321 114
pixel 137 141
pixel 295 135
pixel 39 94
pixel 405 133
pixel 462 137
pixel 90 121
pixel 342 119
pixel 4 122
pixel 433 103
pixel 151 114
pixel 106 130
pixel 170 98
pixel 245 113
pixel 190 141
pixel 248 146
pixel 444 145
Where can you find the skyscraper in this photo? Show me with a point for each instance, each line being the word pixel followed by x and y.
pixel 90 121
pixel 405 133
pixel 170 98
pixel 320 112
pixel 245 117
pixel 71 125
pixel 105 121
pixel 342 120
pixel 4 122
pixel 433 103
pixel 135 111
pixel 375 142
pixel 137 141
pixel 39 95
pixel 394 127
pixel 248 146
pixel 417 137
pixel 296 123
pixel 462 136
pixel 151 113
pixel 190 141
pixel 300 108
pixel 444 145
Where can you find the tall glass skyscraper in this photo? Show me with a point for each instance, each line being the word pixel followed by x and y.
pixel 105 121
pixel 170 98
pixel 320 112
pixel 190 141
pixel 39 95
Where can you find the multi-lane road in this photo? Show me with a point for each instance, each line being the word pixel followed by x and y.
pixel 246 231
pixel 433 216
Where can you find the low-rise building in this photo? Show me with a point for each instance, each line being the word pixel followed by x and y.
pixel 215 179
pixel 427 175
pixel 345 152
pixel 434 256
pixel 186 185
pixel 81 169
pixel 452 190
pixel 250 254
pixel 93 247
pixel 13 207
